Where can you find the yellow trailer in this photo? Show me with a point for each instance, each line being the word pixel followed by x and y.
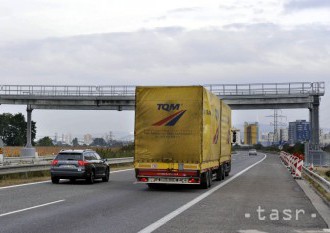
pixel 182 136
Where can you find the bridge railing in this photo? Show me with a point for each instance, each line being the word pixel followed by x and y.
pixel 268 88
pixel 39 90
pixel 316 88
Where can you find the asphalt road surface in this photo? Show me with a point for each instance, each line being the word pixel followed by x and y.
pixel 259 198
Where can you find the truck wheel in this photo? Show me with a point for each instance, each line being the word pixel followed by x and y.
pixel 205 181
pixel 224 168
pixel 227 170
pixel 219 173
pixel 210 178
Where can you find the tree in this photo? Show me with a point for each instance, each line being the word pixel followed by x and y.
pixel 75 142
pixel 257 146
pixel 13 129
pixel 99 142
pixel 45 141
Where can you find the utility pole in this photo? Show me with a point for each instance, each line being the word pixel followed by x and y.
pixel 276 123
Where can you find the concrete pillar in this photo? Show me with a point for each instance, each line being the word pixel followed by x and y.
pixel 311 140
pixel 315 124
pixel 28 150
pixel 29 128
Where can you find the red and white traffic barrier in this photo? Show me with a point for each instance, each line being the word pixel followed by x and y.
pixel 293 163
pixel 299 169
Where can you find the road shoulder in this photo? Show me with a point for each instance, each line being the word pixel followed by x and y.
pixel 316 200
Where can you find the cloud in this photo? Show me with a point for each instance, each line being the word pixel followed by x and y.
pixel 184 10
pixel 237 53
pixel 294 5
pixel 172 56
pixel 166 55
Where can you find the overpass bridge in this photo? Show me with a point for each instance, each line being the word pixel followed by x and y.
pixel 238 96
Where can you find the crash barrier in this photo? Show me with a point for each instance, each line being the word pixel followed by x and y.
pixel 294 163
pixel 10 169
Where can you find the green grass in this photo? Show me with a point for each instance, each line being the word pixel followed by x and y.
pixel 123 152
pixel 323 171
pixel 36 176
pixel 319 188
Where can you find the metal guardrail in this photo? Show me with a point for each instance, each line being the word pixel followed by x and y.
pixel 45 165
pixel 20 160
pixel 316 88
pixel 318 179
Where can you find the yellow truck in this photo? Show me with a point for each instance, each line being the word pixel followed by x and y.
pixel 182 136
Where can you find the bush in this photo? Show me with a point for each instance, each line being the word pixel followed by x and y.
pixel 327 173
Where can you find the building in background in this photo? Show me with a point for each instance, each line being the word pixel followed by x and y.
pixel 88 139
pixel 251 133
pixel 299 131
pixel 270 138
pixel 68 139
pixel 284 135
pixel 324 138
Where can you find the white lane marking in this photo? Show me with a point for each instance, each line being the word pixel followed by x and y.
pixel 20 185
pixel 183 208
pixel 48 181
pixel 30 208
pixel 122 170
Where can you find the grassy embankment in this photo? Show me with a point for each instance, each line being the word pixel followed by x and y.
pixel 36 176
pixel 325 173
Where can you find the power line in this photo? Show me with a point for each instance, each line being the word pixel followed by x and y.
pixel 276 123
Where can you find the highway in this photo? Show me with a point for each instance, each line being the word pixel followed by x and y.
pixel 122 206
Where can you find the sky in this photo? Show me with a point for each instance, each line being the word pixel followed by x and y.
pixel 147 42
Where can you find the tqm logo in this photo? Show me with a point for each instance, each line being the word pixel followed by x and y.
pixel 173 118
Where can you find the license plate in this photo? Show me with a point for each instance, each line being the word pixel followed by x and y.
pixel 68 166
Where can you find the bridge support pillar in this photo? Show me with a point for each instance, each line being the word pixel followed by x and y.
pixel 314 123
pixel 28 150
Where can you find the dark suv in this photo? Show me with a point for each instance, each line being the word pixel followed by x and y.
pixel 79 164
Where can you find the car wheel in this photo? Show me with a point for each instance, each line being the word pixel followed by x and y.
pixel 72 180
pixel 91 178
pixel 55 180
pixel 107 175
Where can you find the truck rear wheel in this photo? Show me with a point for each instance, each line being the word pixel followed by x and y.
pixel 205 180
pixel 228 169
pixel 219 173
pixel 210 178
pixel 224 168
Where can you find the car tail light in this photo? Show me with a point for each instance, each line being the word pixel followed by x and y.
pixel 54 162
pixel 82 163
pixel 143 179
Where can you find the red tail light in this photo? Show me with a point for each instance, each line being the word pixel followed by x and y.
pixel 193 180
pixel 143 179
pixel 82 163
pixel 54 162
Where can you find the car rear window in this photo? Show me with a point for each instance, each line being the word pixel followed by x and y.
pixel 69 156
